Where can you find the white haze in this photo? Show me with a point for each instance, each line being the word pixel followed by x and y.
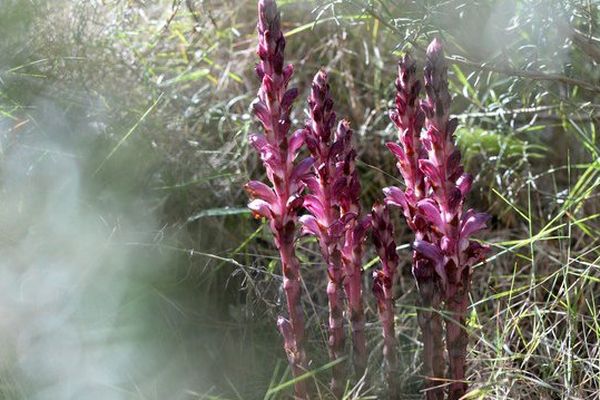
pixel 68 324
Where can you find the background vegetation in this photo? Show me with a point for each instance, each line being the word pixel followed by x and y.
pixel 129 267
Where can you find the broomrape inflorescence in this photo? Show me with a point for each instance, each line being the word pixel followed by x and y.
pixel 450 248
pixel 444 252
pixel 324 220
pixel 408 118
pixel 280 202
pixel 334 218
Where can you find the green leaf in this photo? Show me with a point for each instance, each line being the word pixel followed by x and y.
pixel 218 212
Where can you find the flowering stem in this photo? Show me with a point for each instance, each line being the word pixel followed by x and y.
pixel 448 246
pixel 457 339
pixel 324 219
pixel 352 251
pixel 280 202
pixel 408 119
pixel 430 322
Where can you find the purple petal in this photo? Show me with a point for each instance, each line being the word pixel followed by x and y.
pixel 473 222
pixel 397 151
pixel 288 98
pixel 296 142
pixel 310 225
pixel 311 141
pixel 262 113
pixel 476 252
pixel 395 196
pixel 294 202
pixel 268 86
pixel 454 199
pixel 431 171
pixel 302 169
pixel 258 141
pixel 430 210
pixel 337 229
pixel 339 188
pixel 434 254
pixel 447 244
pixel 427 109
pixel 288 71
pixel 453 161
pixel 312 182
pixel 343 129
pixel 435 48
pixel 429 251
pixel 258 190
pixel 260 208
pixel 260 72
pixel 346 218
pixel 464 183
pixel 395 118
pixel 361 228
pixel 314 206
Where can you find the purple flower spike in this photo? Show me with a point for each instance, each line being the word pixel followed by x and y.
pixel 280 202
pixel 408 118
pixel 433 204
pixel 347 187
pixel 332 204
pixel 451 227
pixel 410 152
pixel 325 221
pixel 383 285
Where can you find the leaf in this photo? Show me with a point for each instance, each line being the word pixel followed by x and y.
pixel 219 212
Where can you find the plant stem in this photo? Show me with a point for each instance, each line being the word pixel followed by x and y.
pixel 457 338
pixel 336 323
pixel 430 323
pixel 293 330
pixel 353 267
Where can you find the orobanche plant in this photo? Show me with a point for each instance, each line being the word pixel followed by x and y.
pixel 321 192
pixel 280 202
pixel 332 205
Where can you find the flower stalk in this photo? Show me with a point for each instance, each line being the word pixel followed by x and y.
pixel 280 202
pixel 383 285
pixel 433 205
pixel 324 220
pixel 334 208
pixel 348 189
pixel 408 118
pixel 449 247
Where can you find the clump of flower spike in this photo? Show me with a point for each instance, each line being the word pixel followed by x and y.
pixel 383 285
pixel 408 118
pixel 280 203
pixel 449 246
pixel 324 220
